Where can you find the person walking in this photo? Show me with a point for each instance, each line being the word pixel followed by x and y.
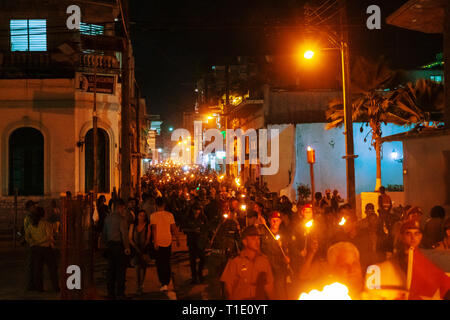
pixel 40 236
pixel 139 236
pixel 196 232
pixel 115 235
pixel 163 230
pixel 249 275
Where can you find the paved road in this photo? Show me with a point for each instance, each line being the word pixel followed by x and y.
pixel 12 280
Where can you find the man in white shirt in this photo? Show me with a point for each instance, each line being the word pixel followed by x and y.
pixel 163 230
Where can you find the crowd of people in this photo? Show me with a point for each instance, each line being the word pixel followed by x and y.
pixel 248 243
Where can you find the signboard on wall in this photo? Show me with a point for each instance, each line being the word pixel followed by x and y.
pixel 105 83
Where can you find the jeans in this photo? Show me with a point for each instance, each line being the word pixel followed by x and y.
pixel 196 253
pixel 39 257
pixel 115 275
pixel 163 264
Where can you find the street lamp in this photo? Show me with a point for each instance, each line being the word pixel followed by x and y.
pixel 342 46
pixel 309 54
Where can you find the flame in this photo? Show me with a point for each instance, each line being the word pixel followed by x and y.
pixel 342 222
pixel 309 224
pixel 334 291
pixel 277 237
pixel 243 195
pixel 237 181
pixel 243 207
pixel 225 216
pixel 221 177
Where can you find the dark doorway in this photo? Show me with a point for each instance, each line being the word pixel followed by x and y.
pixel 102 161
pixel 26 162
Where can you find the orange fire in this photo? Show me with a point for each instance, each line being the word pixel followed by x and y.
pixel 342 222
pixel 334 291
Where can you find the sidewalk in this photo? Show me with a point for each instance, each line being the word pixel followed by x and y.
pixel 12 278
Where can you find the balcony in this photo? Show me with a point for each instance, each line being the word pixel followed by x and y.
pixel 32 65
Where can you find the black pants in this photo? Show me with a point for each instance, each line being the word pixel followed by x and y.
pixel 39 257
pixel 196 253
pixel 115 276
pixel 163 264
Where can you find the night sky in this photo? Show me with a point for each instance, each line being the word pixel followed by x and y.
pixel 174 41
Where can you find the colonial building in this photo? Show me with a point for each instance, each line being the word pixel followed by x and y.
pixel 47 95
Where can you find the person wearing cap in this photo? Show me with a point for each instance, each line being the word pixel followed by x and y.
pixel 273 247
pixel 249 275
pixel 445 243
pixel 394 270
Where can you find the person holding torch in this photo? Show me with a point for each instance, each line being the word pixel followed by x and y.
pixel 272 247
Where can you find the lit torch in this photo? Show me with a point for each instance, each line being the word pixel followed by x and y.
pixel 335 291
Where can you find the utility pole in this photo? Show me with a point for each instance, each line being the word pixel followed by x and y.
pixel 95 132
pixel 348 109
pixel 138 145
pixel 227 107
pixel 125 114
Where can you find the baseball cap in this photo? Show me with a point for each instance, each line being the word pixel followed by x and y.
pixel 410 224
pixel 250 231
pixel 275 214
pixel 30 203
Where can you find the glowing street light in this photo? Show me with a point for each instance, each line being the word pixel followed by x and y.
pixel 309 54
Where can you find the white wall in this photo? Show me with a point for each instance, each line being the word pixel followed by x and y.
pixel 329 170
pixel 427 172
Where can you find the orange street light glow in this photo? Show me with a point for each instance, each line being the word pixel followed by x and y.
pixel 309 54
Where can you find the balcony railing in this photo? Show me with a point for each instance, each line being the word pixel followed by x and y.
pixel 44 64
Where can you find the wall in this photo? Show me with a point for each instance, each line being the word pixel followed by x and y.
pixel 285 176
pixel 63 115
pixel 329 169
pixel 427 172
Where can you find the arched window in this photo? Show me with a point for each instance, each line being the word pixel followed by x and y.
pixel 26 162
pixel 102 161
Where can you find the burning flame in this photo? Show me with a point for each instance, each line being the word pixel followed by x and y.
pixel 225 216
pixel 243 207
pixel 242 195
pixel 221 177
pixel 342 222
pixel 335 291
pixel 237 181
pixel 309 224
pixel 277 237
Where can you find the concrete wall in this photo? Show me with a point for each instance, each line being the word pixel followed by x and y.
pixel 286 170
pixel 427 176
pixel 329 169
pixel 63 115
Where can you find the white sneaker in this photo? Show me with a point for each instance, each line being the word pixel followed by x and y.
pixel 163 288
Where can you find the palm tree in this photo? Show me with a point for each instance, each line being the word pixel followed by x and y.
pixel 373 105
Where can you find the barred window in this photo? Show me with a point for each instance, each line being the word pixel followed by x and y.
pixel 28 35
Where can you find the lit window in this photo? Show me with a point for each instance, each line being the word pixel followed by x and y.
pixel 28 35
pixel 91 29
pixel 436 78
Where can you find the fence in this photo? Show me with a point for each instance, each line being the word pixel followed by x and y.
pixel 77 247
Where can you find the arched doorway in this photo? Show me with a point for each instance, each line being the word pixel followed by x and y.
pixel 102 161
pixel 26 162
